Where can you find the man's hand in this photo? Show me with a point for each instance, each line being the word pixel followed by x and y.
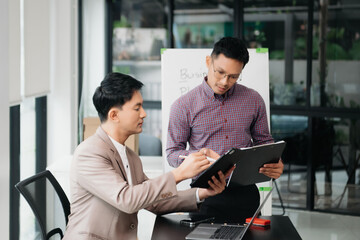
pixel 192 165
pixel 209 153
pixel 216 185
pixel 272 170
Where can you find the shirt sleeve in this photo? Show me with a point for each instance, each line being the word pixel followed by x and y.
pixel 260 128
pixel 178 134
pixel 197 197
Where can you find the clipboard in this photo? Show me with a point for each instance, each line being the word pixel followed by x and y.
pixel 253 158
pixel 247 160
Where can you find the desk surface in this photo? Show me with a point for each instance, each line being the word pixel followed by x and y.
pixel 168 227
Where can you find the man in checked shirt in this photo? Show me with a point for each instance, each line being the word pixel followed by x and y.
pixel 217 115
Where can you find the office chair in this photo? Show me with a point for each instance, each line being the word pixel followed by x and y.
pixel 353 165
pixel 295 152
pixel 45 197
pixel 149 145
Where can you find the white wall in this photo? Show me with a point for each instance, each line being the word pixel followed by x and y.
pixel 4 118
pixel 63 97
pixel 62 100
pixel 93 52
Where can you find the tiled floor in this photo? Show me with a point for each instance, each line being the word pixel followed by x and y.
pixel 333 196
pixel 321 226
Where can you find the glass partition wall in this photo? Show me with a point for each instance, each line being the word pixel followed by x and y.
pixel 314 51
pixel 139 32
pixel 315 100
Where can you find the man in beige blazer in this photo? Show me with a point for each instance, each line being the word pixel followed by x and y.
pixel 108 185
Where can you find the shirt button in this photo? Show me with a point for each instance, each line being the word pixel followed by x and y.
pixel 225 120
pixel 132 226
pixel 226 137
pixel 223 103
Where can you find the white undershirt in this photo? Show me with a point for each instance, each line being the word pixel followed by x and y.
pixel 122 152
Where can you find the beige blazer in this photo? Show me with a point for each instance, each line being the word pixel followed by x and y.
pixel 103 205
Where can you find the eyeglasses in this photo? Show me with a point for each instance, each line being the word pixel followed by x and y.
pixel 221 75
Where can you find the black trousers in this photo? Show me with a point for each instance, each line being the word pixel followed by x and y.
pixel 234 204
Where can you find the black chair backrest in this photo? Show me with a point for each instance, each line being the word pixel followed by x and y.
pixel 43 193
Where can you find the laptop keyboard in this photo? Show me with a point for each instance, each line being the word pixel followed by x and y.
pixel 227 232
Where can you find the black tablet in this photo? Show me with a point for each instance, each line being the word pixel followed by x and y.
pixel 247 160
pixel 224 163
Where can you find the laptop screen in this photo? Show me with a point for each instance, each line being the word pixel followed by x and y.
pixel 258 210
pixel 208 231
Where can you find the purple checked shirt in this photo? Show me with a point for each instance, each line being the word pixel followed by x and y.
pixel 205 119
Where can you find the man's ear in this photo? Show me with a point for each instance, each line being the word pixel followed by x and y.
pixel 113 114
pixel 208 61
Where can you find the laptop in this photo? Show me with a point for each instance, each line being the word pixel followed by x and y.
pixel 207 231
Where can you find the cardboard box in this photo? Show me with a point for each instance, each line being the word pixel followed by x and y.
pixel 133 143
pixel 90 124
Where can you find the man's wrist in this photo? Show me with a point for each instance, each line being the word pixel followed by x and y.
pixel 177 175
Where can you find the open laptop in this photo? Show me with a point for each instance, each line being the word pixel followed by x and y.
pixel 205 231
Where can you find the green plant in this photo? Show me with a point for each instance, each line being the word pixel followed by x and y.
pixel 123 23
pixel 277 54
pixel 355 50
pixel 335 34
pixel 335 52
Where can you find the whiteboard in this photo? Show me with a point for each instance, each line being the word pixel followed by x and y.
pixel 184 69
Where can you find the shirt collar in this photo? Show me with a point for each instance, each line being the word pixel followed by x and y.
pixel 117 145
pixel 210 93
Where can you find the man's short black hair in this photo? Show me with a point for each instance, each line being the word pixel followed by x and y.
pixel 231 47
pixel 115 90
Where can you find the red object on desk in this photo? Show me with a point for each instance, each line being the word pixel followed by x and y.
pixel 259 222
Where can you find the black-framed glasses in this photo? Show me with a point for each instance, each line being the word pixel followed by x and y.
pixel 230 77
